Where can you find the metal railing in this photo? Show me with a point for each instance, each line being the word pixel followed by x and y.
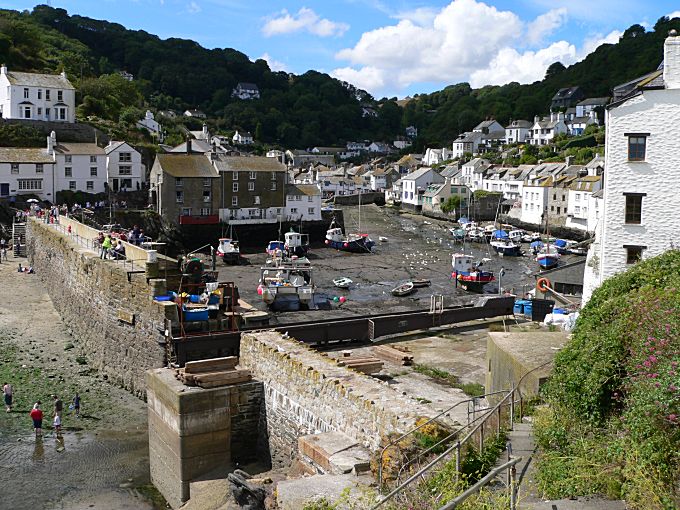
pixel 508 400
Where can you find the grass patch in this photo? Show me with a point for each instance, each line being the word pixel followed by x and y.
pixel 449 379
pixel 153 496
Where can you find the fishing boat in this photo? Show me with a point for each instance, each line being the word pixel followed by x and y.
pixel 578 250
pixel 421 282
pixel 296 244
pixel 468 274
pixel 354 243
pixel 530 237
pixel 275 249
pixel 228 250
pixel 536 246
pixel 288 286
pixel 403 289
pixel 547 259
pixel 458 233
pixel 503 245
pixel 476 235
pixel 563 246
pixel 342 283
pixel 516 235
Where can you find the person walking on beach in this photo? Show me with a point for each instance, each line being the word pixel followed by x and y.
pixel 37 417
pixel 8 393
pixel 57 424
pixel 76 405
pixel 58 406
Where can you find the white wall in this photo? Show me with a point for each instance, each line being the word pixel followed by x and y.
pixel 28 171
pixel 303 207
pixel 114 165
pixel 534 201
pixel 12 95
pixel 80 166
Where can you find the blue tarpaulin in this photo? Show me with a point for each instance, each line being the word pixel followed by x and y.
pixel 560 243
pixel 463 220
pixel 536 244
pixel 500 234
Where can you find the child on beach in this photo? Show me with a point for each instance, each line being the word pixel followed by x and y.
pixel 8 392
pixel 57 424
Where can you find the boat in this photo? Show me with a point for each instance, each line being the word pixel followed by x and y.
pixel 421 282
pixel 503 245
pixel 516 235
pixel 296 244
pixel 458 233
pixel 403 289
pixel 536 246
pixel 382 239
pixel 563 246
pixel 343 282
pixel 228 250
pixel 547 259
pixel 275 249
pixel 468 274
pixel 476 235
pixel 288 286
pixel 530 237
pixel 427 222
pixel 354 243
pixel 578 250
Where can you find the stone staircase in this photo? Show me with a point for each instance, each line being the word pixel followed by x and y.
pixel 19 239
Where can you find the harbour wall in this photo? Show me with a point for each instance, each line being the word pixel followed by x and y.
pixel 376 197
pixel 110 312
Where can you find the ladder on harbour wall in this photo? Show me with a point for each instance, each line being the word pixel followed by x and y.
pixel 19 239
pixel 436 308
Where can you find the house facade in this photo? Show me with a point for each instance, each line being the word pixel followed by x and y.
pixel 26 171
pixel 124 168
pixel 242 138
pixel 414 185
pixel 303 202
pixel 579 214
pixel 472 173
pixel 544 130
pixel 466 142
pixel 639 219
pixel 79 166
pixel 34 96
pixel 246 91
pixel 150 123
pixel 518 131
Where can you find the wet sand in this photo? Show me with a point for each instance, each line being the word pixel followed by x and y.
pixel 102 457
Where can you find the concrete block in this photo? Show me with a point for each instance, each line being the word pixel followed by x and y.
pixel 320 447
pixel 294 494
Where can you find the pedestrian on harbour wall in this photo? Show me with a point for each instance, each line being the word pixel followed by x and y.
pixel 106 246
pixel 8 393
pixel 37 417
pixel 58 406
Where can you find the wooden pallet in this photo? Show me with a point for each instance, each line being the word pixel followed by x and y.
pixel 211 365
pixel 392 354
pixel 212 373
pixel 365 364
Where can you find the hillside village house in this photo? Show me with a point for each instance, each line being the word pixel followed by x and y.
pixel 46 97
pixel 242 138
pixel 545 130
pixel 79 166
pixel 466 143
pixel 197 114
pixel 577 125
pixel 252 189
pixel 566 97
pixel 184 187
pixel 415 184
pixel 124 168
pixel 558 194
pixel 581 201
pixel 472 173
pixel 246 91
pixel 535 199
pixel 438 194
pixel 303 202
pixel 518 131
pixel 640 217
pixel 149 123
pixel 591 104
pixel 26 171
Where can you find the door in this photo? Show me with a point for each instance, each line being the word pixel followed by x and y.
pixel 115 185
pixel 4 189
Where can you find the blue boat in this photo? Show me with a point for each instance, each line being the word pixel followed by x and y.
pixel 354 243
pixel 501 243
pixel 547 259
pixel 561 246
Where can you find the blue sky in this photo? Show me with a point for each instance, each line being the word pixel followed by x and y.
pixel 390 48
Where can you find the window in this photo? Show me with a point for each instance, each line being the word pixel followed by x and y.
pixel 577 210
pixel 27 112
pixel 125 157
pixel 39 93
pixel 47 95
pixel 126 184
pixel 633 253
pixel 293 210
pixel 186 211
pixel 179 197
pixel 206 196
pixel 62 113
pixel 68 171
pixel 68 158
pixel 558 210
pixel 38 168
pixel 47 113
pixel 125 170
pixel 179 182
pixel 30 184
pixel 634 208
pixel 310 198
pixel 207 182
pixel 25 93
pixel 273 176
pixel 234 201
pixel 257 200
pixel 564 197
pixel 554 196
pixel 251 186
pixel 251 175
pixel 234 176
pixel 90 185
pixel 310 210
pixel 273 185
pixel 72 185
pixel 637 145
pixel 93 159
pixel 60 95
pixel 39 112
pixel 15 168
pixel 577 197
pixel 206 211
pixel 93 171
pixel 234 187
pixel 552 208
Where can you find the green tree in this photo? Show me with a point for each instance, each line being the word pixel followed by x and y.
pixel 451 205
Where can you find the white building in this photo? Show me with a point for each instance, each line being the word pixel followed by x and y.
pixel 518 131
pixel 79 166
pixel 198 114
pixel 415 184
pixel 535 196
pixel 124 168
pixel 545 130
pixel 150 123
pixel 47 97
pixel 578 125
pixel 641 197
pixel 466 142
pixel 246 91
pixel 25 171
pixel 242 138
pixel 578 204
pixel 303 202
pixel 472 173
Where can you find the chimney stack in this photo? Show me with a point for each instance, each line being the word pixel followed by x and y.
pixel 188 145
pixel 671 60
pixel 51 143
pixel 3 69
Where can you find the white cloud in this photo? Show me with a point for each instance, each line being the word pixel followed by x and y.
pixel 366 78
pixel 274 65
pixel 193 8
pixel 545 24
pixel 594 42
pixel 674 14
pixel 422 16
pixel 305 20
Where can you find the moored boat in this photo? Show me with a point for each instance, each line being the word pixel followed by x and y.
pixel 468 274
pixel 288 286
pixel 343 282
pixel 296 243
pixel 421 282
pixel 547 259
pixel 354 243
pixel 403 289
pixel 503 245
pixel 228 250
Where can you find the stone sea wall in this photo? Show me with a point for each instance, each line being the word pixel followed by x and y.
pixel 114 321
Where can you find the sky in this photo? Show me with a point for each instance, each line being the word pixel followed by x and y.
pixel 389 48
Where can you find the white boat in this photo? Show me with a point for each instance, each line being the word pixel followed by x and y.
pixel 288 286
pixel 342 283
pixel 516 235
pixel 382 239
pixel 228 250
pixel 404 289
pixel 296 243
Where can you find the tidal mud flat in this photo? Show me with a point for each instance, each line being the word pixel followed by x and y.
pixel 101 459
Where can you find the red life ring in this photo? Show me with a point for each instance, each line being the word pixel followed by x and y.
pixel 543 284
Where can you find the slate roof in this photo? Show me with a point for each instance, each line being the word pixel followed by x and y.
pixel 468 137
pixel 594 101
pixel 52 81
pixel 565 93
pixel 519 124
pixel 249 164
pixel 310 190
pixel 112 146
pixel 24 155
pixel 416 174
pixel 247 86
pixel 199 146
pixel 186 165
pixel 77 149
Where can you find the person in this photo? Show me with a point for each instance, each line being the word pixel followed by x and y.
pixel 119 250
pixel 106 246
pixel 76 405
pixel 3 249
pixel 57 424
pixel 58 406
pixel 8 392
pixel 37 417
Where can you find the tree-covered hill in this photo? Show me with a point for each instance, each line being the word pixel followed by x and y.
pixel 295 110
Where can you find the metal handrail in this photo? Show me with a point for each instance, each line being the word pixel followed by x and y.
pixel 457 446
pixel 395 441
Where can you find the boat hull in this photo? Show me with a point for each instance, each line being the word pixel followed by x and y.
pixel 230 259
pixel 355 246
pixel 508 251
pixel 547 262
pixel 473 281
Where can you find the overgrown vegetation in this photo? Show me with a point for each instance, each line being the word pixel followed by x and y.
pixel 613 426
pixel 444 377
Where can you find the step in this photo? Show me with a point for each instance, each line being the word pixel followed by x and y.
pixel 334 453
